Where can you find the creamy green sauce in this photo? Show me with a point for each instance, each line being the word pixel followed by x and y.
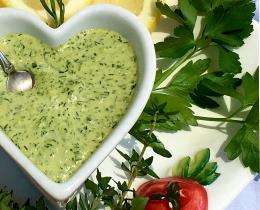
pixel 82 89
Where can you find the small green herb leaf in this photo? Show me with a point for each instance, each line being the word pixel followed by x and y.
pixel 229 61
pixel 102 181
pixel 93 187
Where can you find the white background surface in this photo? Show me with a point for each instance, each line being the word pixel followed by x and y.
pixel 233 176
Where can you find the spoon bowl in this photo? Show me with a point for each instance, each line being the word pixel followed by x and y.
pixel 20 81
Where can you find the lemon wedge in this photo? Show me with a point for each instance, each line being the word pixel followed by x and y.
pixel 144 9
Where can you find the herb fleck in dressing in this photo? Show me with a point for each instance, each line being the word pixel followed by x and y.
pixel 82 89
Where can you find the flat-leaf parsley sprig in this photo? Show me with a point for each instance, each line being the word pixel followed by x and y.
pixel 223 28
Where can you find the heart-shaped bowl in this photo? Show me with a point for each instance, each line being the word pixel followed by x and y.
pixel 98 16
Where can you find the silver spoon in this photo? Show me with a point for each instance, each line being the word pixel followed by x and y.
pixel 18 81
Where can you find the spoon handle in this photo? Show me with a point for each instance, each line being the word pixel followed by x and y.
pixel 6 64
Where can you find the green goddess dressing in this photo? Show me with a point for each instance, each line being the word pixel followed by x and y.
pixel 82 89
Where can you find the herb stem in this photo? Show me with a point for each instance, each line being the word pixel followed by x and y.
pixel 237 111
pixel 171 69
pixel 134 172
pixel 218 119
pixel 133 175
pixel 51 10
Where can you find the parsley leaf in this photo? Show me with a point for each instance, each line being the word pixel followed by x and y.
pixel 187 79
pixel 202 6
pixel 228 26
pixel 250 85
pixel 223 84
pixel 245 142
pixel 175 113
pixel 177 46
pixel 228 61
pixel 189 13
pixel 166 10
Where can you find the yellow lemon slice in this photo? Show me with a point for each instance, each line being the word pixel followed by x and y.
pixel 35 7
pixel 144 9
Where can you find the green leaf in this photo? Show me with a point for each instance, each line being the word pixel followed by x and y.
pixel 84 202
pixel 93 187
pixel 102 181
pixel 122 186
pixel 187 79
pixel 252 119
pixel 199 162
pixel 202 6
pixel 182 168
pixel 245 143
pixel 5 201
pixel 250 87
pixel 72 205
pixel 226 25
pixel 205 91
pixel 224 85
pixel 189 13
pixel 173 47
pixel 40 204
pixel 204 101
pixel 176 114
pixel 125 156
pixel 158 146
pixel 167 11
pixel 228 61
pixel 149 161
pixel 176 47
pixel 139 202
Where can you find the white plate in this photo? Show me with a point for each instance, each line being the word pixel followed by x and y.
pixel 233 176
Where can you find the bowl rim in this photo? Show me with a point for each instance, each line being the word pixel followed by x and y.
pixel 62 191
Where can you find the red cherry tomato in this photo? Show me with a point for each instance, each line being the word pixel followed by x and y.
pixel 192 195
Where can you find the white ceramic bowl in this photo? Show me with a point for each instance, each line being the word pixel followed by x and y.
pixel 99 16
